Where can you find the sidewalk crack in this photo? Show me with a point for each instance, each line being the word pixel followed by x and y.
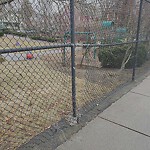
pixel 125 127
pixel 139 94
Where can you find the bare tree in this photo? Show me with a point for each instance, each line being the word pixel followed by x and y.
pixel 9 13
pixel 26 13
pixel 145 24
pixel 3 2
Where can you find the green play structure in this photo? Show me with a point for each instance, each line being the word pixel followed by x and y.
pixel 88 37
pixel 2 26
pixel 107 24
pixel 121 32
pixel 107 27
pixel 117 34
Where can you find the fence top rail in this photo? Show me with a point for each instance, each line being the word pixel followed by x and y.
pixel 4 51
pixel 81 33
pixel 111 44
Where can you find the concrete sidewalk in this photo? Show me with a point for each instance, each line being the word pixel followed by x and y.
pixel 125 125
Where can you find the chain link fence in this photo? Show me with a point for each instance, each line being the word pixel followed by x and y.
pixel 42 80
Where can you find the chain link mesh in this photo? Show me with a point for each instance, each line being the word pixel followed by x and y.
pixel 105 68
pixel 35 59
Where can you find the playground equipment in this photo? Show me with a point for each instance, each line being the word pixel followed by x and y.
pixel 29 56
pixel 121 30
pixel 107 24
pixel 108 28
pixel 2 26
pixel 121 33
pixel 90 36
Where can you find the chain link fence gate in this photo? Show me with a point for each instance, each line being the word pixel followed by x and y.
pixel 46 67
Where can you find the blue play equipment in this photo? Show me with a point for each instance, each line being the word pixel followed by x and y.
pixel 121 30
pixel 107 28
pixel 113 33
pixel 107 24
pixel 121 33
pixel 2 26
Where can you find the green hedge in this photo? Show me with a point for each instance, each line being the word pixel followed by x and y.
pixel 43 38
pixel 114 39
pixel 112 57
pixel 21 34
pixel 1 33
pixel 142 54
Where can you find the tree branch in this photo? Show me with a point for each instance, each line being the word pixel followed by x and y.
pixel 3 2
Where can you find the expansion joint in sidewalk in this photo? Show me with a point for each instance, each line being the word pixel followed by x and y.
pixel 125 127
pixel 139 94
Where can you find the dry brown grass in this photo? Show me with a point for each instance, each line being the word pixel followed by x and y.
pixel 34 96
pixel 9 41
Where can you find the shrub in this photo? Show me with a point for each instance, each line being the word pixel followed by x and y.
pixel 114 39
pixel 1 33
pixel 43 38
pixel 5 30
pixel 142 54
pixel 21 34
pixel 112 57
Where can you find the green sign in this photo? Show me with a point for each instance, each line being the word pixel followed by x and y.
pixel 107 24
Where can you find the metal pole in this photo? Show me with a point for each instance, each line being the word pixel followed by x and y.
pixel 94 46
pixel 72 29
pixel 64 50
pixel 137 39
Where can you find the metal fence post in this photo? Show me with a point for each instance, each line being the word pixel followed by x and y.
pixel 137 40
pixel 72 30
